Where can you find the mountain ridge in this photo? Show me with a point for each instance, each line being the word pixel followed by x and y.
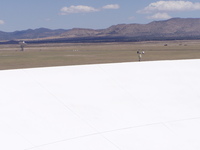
pixel 166 29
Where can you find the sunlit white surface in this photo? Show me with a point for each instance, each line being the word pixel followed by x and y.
pixel 122 106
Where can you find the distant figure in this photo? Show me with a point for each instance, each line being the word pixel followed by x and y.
pixel 22 45
pixel 140 53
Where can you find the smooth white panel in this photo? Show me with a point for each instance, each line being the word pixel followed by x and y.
pixel 146 105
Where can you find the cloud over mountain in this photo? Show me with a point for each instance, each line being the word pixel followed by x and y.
pixel 159 16
pixel 168 6
pixel 161 9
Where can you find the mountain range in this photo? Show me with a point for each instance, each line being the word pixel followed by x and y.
pixel 175 28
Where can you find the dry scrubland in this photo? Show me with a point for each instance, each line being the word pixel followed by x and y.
pixel 45 55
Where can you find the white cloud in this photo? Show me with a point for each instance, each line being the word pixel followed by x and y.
pixel 167 6
pixel 2 22
pixel 160 16
pixel 111 6
pixel 77 9
pixel 85 9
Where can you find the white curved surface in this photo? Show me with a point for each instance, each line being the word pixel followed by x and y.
pixel 122 106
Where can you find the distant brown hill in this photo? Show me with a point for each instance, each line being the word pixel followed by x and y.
pixel 30 34
pixel 175 28
pixel 170 28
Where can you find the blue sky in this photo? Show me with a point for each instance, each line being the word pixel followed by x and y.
pixel 95 14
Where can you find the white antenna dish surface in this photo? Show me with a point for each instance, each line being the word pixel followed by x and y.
pixel 22 45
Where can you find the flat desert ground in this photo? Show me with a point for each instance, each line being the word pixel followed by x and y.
pixel 63 54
